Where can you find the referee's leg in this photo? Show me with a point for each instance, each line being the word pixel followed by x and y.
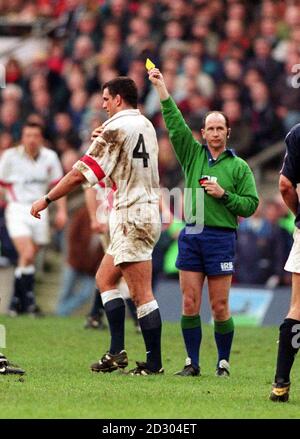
pixel 219 287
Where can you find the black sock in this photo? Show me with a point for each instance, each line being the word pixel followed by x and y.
pixel 115 313
pixel 97 307
pixel 132 309
pixel 17 300
pixel 28 285
pixel 286 351
pixel 151 329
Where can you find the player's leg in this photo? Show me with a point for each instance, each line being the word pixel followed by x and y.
pixel 191 284
pixel 23 297
pixel 95 316
pixel 219 287
pixel 288 345
pixel 107 279
pixel 138 276
pixel 123 287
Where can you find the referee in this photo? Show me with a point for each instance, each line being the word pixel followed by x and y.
pixel 229 192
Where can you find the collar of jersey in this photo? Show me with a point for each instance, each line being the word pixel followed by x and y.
pixel 122 113
pixel 24 153
pixel 212 161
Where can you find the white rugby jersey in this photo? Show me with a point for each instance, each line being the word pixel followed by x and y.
pixel 26 179
pixel 127 153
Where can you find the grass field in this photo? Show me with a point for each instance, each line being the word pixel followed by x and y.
pixel 57 352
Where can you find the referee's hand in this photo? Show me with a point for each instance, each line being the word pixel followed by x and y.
pixel 37 207
pixel 213 188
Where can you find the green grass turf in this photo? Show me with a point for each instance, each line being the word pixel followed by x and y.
pixel 57 352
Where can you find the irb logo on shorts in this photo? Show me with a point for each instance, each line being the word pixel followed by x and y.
pixel 2 336
pixel 226 266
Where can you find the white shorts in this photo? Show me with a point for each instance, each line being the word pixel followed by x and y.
pixel 20 223
pixel 293 262
pixel 134 233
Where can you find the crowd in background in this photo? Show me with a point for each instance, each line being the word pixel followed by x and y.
pixel 236 56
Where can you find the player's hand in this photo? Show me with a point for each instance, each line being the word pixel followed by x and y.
pixel 99 227
pixel 61 219
pixel 97 132
pixel 213 188
pixel 37 207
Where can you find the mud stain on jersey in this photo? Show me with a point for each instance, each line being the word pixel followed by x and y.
pixel 108 142
pixel 122 172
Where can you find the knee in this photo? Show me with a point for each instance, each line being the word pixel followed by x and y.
pixel 190 303
pixel 103 283
pixel 27 257
pixel 220 310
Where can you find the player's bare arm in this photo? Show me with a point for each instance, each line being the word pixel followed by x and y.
pixel 289 193
pixel 157 80
pixel 67 184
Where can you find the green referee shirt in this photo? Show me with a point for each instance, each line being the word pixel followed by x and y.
pixel 232 173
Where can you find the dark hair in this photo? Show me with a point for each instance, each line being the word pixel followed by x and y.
pixel 125 87
pixel 218 112
pixel 29 124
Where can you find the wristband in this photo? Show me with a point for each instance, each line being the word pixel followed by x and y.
pixel 47 199
pixel 225 196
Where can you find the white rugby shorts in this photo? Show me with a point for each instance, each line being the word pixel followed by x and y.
pixel 293 262
pixel 134 233
pixel 20 223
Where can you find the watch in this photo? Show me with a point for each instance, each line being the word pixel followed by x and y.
pixel 47 199
pixel 225 196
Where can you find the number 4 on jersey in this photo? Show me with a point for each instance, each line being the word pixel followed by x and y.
pixel 140 152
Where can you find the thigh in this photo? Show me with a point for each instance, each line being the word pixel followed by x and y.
pixel 108 275
pixel 25 246
pixel 138 276
pixel 219 288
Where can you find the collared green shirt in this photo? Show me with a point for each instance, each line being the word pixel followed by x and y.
pixel 231 172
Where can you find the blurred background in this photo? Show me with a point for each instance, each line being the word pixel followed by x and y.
pixel 240 57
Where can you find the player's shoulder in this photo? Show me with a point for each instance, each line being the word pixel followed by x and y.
pixel 12 152
pixel 294 133
pixel 48 153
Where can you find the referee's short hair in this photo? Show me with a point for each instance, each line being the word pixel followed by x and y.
pixel 125 87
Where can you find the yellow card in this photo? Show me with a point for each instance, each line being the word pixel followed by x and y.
pixel 149 64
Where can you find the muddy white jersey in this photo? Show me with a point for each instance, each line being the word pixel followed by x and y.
pixel 26 179
pixel 127 153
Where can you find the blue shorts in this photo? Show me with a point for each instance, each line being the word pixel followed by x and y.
pixel 211 252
